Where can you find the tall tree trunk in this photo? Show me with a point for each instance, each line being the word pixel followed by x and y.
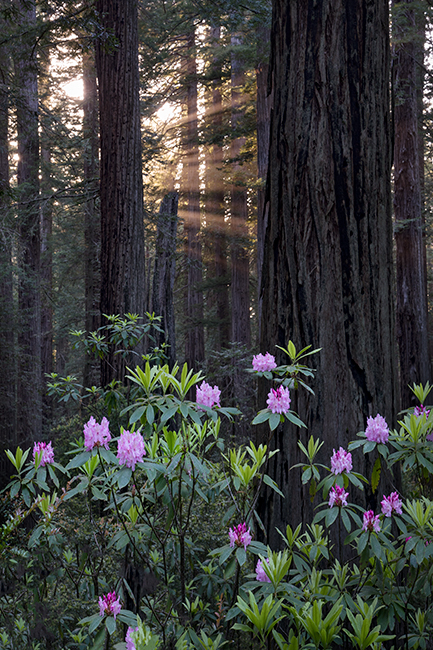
pixel 194 348
pixel 240 293
pixel 218 299
pixel 7 357
pixel 327 274
pixel 121 182
pixel 29 299
pixel 92 217
pixel 264 103
pixel 164 273
pixel 412 329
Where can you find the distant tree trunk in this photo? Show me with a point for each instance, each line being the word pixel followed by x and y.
pixel 327 276
pixel 194 349
pixel 7 356
pixel 412 329
pixel 29 299
pixel 46 245
pixel 92 217
pixel 164 273
pixel 240 293
pixel 215 206
pixel 264 103
pixel 121 183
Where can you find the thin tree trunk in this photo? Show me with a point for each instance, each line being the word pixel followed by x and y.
pixel 240 294
pixel 164 273
pixel 327 277
pixel 29 299
pixel 92 217
pixel 218 299
pixel 7 357
pixel 194 348
pixel 412 329
pixel 121 182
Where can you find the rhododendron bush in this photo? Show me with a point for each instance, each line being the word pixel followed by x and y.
pixel 147 534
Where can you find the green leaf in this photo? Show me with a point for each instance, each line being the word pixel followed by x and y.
pixel 241 555
pixel 375 475
pixel 274 421
pixel 79 460
pixel 123 477
pixel 110 624
pixel 267 479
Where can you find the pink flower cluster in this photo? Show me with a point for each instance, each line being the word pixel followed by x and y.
pixel 279 400
pixel 377 429
pixel 240 536
pixel 208 396
pixel 96 435
pixel 47 451
pixel 130 449
pixel 341 461
pixel 338 497
pixel 421 410
pixel 264 362
pixel 391 504
pixel 371 522
pixel 260 572
pixel 130 645
pixel 109 605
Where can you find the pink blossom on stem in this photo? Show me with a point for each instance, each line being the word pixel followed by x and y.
pixel 47 451
pixel 377 429
pixel 341 461
pixel 240 536
pixel 109 605
pixel 371 522
pixel 208 396
pixel 130 449
pixel 130 645
pixel 264 362
pixel 279 400
pixel 95 434
pixel 338 497
pixel 260 572
pixel 391 504
pixel 421 410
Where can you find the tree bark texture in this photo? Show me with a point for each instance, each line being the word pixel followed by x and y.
pixel 164 273
pixel 218 292
pixel 240 293
pixel 92 216
pixel 327 273
pixel 29 298
pixel 121 182
pixel 412 321
pixel 194 347
pixel 263 103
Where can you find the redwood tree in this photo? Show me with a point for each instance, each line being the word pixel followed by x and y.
pixel 121 182
pixel 327 270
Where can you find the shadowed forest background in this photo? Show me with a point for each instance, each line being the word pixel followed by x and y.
pixel 242 196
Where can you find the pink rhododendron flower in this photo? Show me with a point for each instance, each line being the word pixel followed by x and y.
pixel 130 645
pixel 130 449
pixel 109 605
pixel 391 504
pixel 260 572
pixel 341 461
pixel 208 396
pixel 96 435
pixel 240 536
pixel 47 451
pixel 264 362
pixel 421 410
pixel 377 429
pixel 338 497
pixel 371 522
pixel 279 400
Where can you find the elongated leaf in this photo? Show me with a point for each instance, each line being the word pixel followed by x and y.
pixel 110 624
pixel 79 460
pixel 123 477
pixel 267 479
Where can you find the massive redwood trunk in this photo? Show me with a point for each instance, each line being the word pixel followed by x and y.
pixel 328 271
pixel 412 329
pixel 121 182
